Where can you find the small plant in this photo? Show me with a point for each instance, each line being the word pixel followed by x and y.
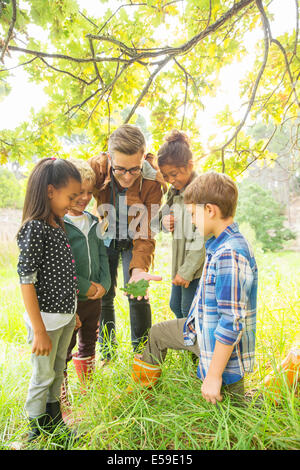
pixel 137 289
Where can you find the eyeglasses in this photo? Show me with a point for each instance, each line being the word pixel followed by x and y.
pixel 122 171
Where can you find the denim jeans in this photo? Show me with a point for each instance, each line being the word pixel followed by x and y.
pixel 182 297
pixel 139 310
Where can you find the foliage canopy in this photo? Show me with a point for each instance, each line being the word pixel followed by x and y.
pixel 158 58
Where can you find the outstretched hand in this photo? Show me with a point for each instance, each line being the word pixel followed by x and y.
pixel 138 274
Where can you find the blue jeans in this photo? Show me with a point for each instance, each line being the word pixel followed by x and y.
pixel 182 297
pixel 139 310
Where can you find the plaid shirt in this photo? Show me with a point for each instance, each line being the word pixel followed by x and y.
pixel 224 306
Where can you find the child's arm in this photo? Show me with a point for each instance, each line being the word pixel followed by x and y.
pixel 31 244
pixel 194 258
pixel 41 342
pixel 211 386
pixel 233 281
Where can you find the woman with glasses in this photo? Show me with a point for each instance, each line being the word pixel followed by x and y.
pixel 128 191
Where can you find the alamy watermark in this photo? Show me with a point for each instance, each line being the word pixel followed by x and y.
pixel 140 221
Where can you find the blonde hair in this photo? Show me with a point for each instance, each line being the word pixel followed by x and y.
pixel 85 170
pixel 214 188
pixel 126 139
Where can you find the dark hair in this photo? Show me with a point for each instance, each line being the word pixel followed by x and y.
pixel 55 171
pixel 175 151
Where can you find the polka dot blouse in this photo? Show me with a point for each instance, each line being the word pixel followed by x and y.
pixel 46 261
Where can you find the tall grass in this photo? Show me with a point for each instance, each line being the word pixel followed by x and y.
pixel 174 416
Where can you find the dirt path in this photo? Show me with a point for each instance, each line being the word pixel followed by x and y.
pixel 10 220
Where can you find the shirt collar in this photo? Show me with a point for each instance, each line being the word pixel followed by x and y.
pixel 213 243
pixel 116 186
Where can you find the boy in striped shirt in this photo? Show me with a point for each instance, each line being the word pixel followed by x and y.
pixel 221 324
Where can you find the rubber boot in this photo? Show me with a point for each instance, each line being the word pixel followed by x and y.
pixel 57 425
pixel 140 323
pixel 146 375
pixel 84 367
pixel 38 426
pixel 290 367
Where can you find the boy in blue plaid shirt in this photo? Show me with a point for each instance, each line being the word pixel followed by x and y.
pixel 221 324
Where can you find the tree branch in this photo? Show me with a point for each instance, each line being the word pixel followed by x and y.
pixel 10 30
pixel 66 57
pixel 266 30
pixel 186 89
pixel 109 88
pixel 287 64
pixel 146 87
pixel 65 71
pixel 95 64
pixel 184 48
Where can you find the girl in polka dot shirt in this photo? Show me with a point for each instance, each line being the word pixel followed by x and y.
pixel 46 269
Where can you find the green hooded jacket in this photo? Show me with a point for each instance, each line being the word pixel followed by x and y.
pixel 91 260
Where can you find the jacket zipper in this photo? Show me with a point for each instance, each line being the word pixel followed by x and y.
pixel 87 241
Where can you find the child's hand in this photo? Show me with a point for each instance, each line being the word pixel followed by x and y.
pixel 179 281
pixel 168 221
pixel 92 291
pixel 100 291
pixel 211 389
pixel 42 345
pixel 78 323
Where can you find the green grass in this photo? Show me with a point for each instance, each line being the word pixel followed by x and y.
pixel 175 416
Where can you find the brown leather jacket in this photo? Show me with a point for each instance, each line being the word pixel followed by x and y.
pixel 147 190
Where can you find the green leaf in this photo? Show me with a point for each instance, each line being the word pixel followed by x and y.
pixel 137 289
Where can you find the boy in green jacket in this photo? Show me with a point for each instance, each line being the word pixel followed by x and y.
pixel 93 276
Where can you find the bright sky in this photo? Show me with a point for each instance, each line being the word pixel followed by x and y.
pixel 15 108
